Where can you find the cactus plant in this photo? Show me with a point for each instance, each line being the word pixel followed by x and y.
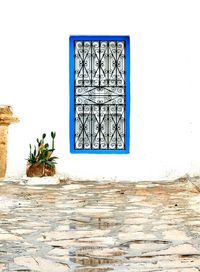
pixel 41 157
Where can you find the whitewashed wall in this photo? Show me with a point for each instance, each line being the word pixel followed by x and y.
pixel 165 82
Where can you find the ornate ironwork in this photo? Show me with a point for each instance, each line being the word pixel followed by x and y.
pixel 99 95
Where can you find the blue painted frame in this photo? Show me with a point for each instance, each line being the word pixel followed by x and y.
pixel 71 108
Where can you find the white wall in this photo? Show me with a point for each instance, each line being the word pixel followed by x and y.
pixel 165 82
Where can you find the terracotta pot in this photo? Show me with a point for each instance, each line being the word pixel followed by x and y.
pixel 39 170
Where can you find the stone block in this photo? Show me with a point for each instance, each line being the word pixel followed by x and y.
pixel 40 180
pixel 6 118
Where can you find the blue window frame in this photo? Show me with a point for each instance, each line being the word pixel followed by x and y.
pixel 100 94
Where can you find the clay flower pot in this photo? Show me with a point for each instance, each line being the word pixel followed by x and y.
pixel 39 170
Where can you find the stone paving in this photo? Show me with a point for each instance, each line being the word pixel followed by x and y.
pixel 96 227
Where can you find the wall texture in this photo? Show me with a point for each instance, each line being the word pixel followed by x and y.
pixel 165 85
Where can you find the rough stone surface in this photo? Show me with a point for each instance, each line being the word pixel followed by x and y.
pixel 6 118
pixel 3 149
pixel 40 180
pixel 6 115
pixel 96 227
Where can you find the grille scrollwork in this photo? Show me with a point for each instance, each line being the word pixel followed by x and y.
pixel 99 95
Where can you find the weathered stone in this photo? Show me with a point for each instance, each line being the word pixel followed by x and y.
pixel 40 264
pixel 175 235
pixel 6 118
pixel 22 231
pixel 3 231
pixel 58 252
pixel 3 149
pixel 146 247
pixel 101 252
pixel 183 249
pixel 134 220
pixel 9 237
pixel 132 228
pixel 6 115
pixel 60 235
pixel 50 180
pixel 136 235
pixel 2 266
pixel 98 227
pixel 84 242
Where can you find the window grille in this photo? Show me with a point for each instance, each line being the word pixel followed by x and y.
pixel 99 77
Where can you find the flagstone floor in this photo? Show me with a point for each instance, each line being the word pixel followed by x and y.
pixel 96 227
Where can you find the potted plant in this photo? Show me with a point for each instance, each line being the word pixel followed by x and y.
pixel 41 163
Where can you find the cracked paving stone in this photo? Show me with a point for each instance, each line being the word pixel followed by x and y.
pixel 100 226
pixel 136 235
pixel 2 266
pixel 60 235
pixel 9 237
pixel 183 249
pixel 175 235
pixel 40 264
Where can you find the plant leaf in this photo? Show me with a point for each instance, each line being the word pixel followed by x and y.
pixel 53 158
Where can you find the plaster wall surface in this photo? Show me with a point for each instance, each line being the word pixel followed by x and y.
pixel 165 85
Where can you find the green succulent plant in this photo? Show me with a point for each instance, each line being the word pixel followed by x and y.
pixel 43 153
